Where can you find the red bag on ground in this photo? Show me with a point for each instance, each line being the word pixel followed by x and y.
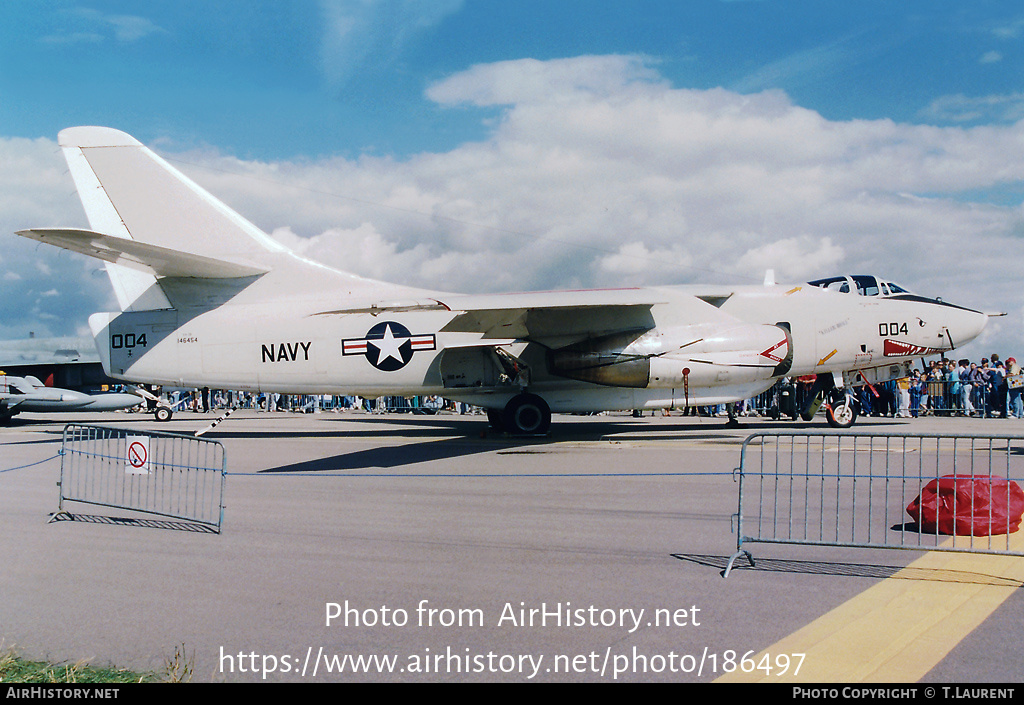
pixel 969 505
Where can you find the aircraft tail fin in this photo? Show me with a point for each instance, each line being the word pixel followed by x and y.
pixel 153 226
pixel 129 192
pixel 146 199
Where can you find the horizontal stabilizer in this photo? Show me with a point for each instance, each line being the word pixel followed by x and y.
pixel 141 256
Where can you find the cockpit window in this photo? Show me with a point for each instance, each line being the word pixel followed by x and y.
pixel 867 288
pixel 841 284
pixel 864 284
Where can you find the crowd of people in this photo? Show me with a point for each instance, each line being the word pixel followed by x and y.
pixel 989 389
pixel 206 400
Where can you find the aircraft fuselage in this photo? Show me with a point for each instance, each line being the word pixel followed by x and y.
pixel 746 338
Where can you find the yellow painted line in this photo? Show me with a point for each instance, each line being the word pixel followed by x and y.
pixel 901 628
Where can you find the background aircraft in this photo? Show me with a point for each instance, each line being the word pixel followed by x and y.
pixel 18 394
pixel 208 299
pixel 70 362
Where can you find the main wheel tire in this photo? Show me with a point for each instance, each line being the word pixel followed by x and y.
pixel 527 415
pixel 162 413
pixel 842 414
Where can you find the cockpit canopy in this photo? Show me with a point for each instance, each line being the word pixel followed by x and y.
pixel 863 284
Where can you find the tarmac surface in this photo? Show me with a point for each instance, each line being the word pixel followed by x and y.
pixel 425 548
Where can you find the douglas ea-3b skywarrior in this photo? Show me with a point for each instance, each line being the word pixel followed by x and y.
pixel 209 300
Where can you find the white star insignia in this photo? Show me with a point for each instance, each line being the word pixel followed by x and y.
pixel 388 346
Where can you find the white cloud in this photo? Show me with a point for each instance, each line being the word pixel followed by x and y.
pixel 361 249
pixel 1009 30
pixel 36 191
pixel 794 258
pixel 528 81
pixel 131 28
pixel 809 65
pixel 963 109
pixel 635 260
pixel 600 174
pixel 86 25
pixel 356 30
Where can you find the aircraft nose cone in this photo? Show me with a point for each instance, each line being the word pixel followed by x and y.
pixel 967 326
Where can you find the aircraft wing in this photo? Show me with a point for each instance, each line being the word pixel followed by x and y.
pixel 152 259
pixel 555 318
pixel 540 316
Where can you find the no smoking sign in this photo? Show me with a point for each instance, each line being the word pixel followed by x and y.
pixel 136 457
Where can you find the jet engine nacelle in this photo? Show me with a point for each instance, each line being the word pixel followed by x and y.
pixel 699 355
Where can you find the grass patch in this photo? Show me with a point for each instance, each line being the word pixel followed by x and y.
pixel 16 669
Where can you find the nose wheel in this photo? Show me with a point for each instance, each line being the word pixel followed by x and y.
pixel 842 413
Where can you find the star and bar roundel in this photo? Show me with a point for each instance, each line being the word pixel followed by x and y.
pixel 388 345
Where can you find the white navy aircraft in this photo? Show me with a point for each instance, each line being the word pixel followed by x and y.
pixel 209 300
pixel 18 394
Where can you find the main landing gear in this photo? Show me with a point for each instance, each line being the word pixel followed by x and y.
pixel 524 415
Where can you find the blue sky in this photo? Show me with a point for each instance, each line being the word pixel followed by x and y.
pixel 478 145
pixel 281 79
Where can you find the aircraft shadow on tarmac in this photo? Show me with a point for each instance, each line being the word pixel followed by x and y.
pixel 475 426
pixel 388 457
pixel 858 570
pixel 453 437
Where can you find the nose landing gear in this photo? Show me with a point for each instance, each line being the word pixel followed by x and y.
pixel 841 413
pixel 841 407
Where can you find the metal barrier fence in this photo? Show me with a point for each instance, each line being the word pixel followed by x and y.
pixel 174 476
pixel 853 489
